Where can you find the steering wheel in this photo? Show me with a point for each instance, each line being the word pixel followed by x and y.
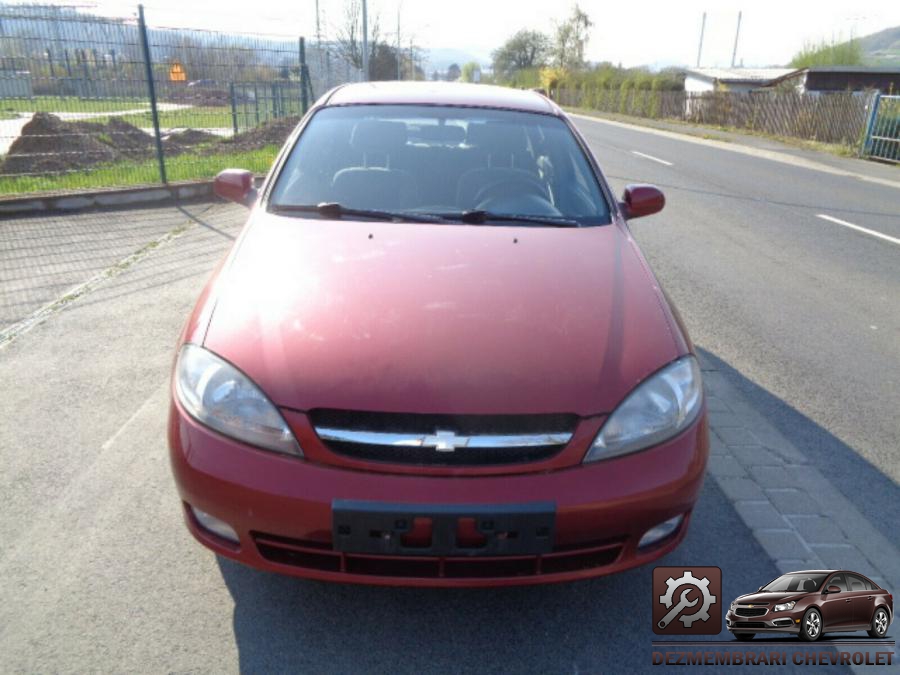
pixel 511 188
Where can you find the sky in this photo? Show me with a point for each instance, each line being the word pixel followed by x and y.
pixel 631 33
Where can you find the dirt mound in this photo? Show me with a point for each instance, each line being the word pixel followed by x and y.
pixel 183 141
pixel 273 132
pixel 128 139
pixel 49 145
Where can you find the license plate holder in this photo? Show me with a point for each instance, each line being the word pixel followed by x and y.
pixel 379 528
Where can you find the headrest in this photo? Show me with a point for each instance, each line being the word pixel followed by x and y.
pixel 442 133
pixel 378 136
pixel 497 138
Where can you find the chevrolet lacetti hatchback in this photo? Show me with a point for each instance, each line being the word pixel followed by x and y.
pixel 811 603
pixel 436 356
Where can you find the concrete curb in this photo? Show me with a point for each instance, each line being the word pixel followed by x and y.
pixel 128 197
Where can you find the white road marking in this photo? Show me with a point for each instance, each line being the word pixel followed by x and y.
pixel 651 157
pixel 864 230
pixel 771 155
pixel 40 315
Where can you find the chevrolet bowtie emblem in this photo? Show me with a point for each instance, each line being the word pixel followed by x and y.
pixel 445 441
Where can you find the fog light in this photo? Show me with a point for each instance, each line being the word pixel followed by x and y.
pixel 212 524
pixel 661 531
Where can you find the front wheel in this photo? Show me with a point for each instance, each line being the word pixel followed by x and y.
pixel 879 624
pixel 811 625
pixel 744 637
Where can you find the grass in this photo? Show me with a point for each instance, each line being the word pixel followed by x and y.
pixel 131 174
pixel 11 106
pixel 207 117
pixel 195 117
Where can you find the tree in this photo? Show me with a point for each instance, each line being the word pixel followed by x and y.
pixel 349 36
pixel 453 72
pixel 570 39
pixel 471 72
pixel 825 54
pixel 525 49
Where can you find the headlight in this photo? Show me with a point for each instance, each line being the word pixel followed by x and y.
pixel 785 607
pixel 218 395
pixel 732 606
pixel 658 409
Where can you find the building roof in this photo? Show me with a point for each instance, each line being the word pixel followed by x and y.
pixel 736 75
pixel 850 70
pixel 441 93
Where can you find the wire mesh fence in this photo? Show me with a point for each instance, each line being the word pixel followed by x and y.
pixel 838 117
pixel 93 101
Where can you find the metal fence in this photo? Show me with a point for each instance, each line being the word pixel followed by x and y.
pixel 827 117
pixel 91 101
pixel 883 131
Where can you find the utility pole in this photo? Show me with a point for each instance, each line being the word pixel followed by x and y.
pixel 399 52
pixel 700 48
pixel 365 41
pixel 737 34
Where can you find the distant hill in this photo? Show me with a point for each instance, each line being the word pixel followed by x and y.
pixel 882 48
pixel 440 58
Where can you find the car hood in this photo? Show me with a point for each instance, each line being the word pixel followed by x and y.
pixel 771 598
pixel 433 318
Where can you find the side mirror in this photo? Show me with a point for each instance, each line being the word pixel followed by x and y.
pixel 642 200
pixel 759 589
pixel 833 589
pixel 235 185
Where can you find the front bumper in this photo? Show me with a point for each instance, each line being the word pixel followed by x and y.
pixel 770 622
pixel 281 509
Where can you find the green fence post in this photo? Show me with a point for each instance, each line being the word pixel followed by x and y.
pixel 234 122
pixel 304 76
pixel 151 89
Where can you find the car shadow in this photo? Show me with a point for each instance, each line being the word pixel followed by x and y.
pixel 875 495
pixel 282 623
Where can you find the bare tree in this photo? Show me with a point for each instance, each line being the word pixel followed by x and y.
pixel 349 35
pixel 570 40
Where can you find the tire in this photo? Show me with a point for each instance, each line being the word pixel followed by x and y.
pixel 744 637
pixel 879 624
pixel 811 625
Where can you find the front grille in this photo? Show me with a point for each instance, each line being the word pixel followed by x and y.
pixel 319 556
pixel 749 624
pixel 750 611
pixel 443 440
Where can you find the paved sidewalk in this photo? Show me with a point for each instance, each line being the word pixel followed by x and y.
pixel 799 518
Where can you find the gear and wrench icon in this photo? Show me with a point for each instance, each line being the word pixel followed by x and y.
pixel 701 584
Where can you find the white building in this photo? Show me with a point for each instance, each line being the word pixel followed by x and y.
pixel 700 80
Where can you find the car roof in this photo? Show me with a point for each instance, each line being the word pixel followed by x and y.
pixel 815 572
pixel 441 93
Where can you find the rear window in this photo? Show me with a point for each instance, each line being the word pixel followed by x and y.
pixel 439 159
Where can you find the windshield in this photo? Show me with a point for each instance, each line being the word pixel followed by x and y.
pixel 440 160
pixel 796 582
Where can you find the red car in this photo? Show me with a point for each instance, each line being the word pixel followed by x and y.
pixel 435 355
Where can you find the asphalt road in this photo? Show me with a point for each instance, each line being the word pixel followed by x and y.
pixel 804 312
pixel 98 573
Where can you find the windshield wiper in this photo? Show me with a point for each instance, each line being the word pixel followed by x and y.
pixel 480 217
pixel 334 210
